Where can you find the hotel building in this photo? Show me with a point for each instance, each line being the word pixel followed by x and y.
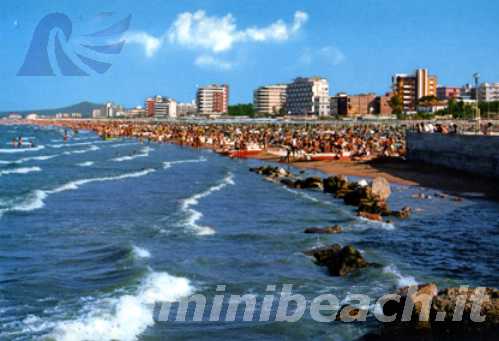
pixel 270 99
pixel 488 92
pixel 213 99
pixel 161 107
pixel 308 96
pixel 413 87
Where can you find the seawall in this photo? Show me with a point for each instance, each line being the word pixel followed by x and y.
pixel 469 153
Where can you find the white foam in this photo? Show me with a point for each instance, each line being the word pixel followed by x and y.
pixel 124 144
pixel 21 150
pixel 123 318
pixel 144 152
pixel 30 158
pixel 368 223
pixel 140 252
pixel 402 281
pixel 35 200
pixel 169 164
pixel 194 216
pixel 86 164
pixel 21 170
pixel 76 144
pixel 82 151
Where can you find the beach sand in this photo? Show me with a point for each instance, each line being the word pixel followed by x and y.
pixel 402 172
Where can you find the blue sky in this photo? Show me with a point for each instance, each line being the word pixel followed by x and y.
pixel 172 46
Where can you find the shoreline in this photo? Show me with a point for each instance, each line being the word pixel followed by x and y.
pixel 401 172
pixel 395 170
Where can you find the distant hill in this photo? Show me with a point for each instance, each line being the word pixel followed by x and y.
pixel 85 108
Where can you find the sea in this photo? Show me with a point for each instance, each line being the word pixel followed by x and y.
pixel 95 234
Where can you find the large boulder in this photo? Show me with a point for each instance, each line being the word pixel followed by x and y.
pixel 421 296
pixel 334 183
pixel 311 182
pixel 381 188
pixel 446 300
pixel 324 230
pixel 439 310
pixel 340 261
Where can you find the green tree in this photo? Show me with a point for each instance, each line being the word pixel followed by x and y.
pixel 242 109
pixel 397 104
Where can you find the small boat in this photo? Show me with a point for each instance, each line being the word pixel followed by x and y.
pixel 321 157
pixel 244 153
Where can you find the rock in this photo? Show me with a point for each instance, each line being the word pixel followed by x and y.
pixel 446 300
pixel 404 213
pixel 322 254
pixel 430 290
pixel 324 230
pixel 440 309
pixel 288 183
pixel 354 197
pixel 339 261
pixel 381 188
pixel 347 313
pixel 370 216
pixel 333 183
pixel 312 182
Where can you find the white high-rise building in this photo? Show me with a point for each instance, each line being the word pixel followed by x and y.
pixel 308 96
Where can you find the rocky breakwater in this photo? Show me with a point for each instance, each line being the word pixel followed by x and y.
pixel 424 313
pixel 369 198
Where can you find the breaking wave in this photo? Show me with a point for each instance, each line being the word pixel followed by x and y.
pixel 22 170
pixel 35 200
pixel 402 281
pixel 144 152
pixel 30 158
pixel 194 216
pixel 126 317
pixel 140 252
pixel 169 164
pixel 21 150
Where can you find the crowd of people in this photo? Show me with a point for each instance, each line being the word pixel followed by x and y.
pixel 359 142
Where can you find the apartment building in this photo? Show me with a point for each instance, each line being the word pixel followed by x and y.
pixel 213 99
pixel 270 99
pixel 161 107
pixel 412 87
pixel 488 92
pixel 308 96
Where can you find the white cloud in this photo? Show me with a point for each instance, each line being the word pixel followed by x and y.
pixel 207 61
pixel 215 35
pixel 150 43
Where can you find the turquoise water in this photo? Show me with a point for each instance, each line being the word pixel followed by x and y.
pixel 93 233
